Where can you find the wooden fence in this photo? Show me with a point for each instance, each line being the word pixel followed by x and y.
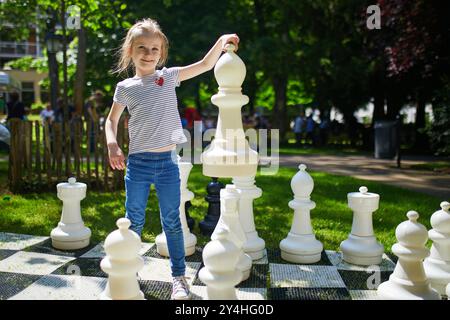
pixel 41 156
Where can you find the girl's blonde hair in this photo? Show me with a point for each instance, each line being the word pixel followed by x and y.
pixel 149 26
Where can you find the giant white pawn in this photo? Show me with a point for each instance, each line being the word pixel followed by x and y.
pixel 190 240
pixel 220 257
pixel 71 233
pixel 437 265
pixel 254 246
pixel 301 245
pixel 361 246
pixel 408 281
pixel 229 219
pixel 122 262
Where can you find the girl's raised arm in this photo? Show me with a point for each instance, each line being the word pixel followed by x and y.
pixel 210 59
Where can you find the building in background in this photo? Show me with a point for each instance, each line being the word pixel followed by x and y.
pixel 10 49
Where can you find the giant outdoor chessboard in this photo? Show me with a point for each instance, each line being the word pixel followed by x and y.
pixel 30 268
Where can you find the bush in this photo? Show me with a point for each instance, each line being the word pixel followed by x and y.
pixel 439 129
pixel 36 108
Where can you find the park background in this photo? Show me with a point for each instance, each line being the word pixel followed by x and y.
pixel 317 57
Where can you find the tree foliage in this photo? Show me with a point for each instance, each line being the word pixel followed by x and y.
pixel 315 52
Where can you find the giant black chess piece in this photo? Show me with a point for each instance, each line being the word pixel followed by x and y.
pixel 189 219
pixel 208 225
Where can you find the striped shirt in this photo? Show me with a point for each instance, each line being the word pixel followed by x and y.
pixel 152 103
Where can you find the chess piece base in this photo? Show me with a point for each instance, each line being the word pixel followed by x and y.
pixel 362 261
pixel 301 248
pixel 296 258
pixel 255 255
pixel 254 247
pixel 163 250
pixel 70 245
pixel 225 283
pixel 363 251
pixel 438 272
pixel 396 289
pixel 70 240
pixel 104 296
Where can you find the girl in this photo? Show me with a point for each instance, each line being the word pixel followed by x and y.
pixel 154 131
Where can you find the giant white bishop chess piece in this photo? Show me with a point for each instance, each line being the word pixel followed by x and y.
pixel 229 219
pixel 190 240
pixel 229 154
pixel 437 265
pixel 254 246
pixel 408 281
pixel 361 246
pixel 122 262
pixel 301 245
pixel 71 234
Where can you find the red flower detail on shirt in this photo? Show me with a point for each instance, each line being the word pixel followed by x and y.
pixel 159 81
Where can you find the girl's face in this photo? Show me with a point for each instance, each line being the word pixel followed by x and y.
pixel 145 53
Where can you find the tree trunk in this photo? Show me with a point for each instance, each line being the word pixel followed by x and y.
pixel 80 74
pixel 250 88
pixel 279 110
pixel 54 79
pixel 351 126
pixel 420 111
pixel 378 88
pixel 394 105
pixel 421 141
pixel 378 109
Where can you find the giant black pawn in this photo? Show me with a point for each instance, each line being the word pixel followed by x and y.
pixel 189 219
pixel 208 225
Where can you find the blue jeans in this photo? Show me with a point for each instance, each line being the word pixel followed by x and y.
pixel 160 169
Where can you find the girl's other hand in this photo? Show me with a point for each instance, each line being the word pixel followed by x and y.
pixel 116 157
pixel 230 38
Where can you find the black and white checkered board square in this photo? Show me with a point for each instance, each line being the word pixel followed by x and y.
pixel 30 268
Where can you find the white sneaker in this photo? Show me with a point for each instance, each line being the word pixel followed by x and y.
pixel 180 289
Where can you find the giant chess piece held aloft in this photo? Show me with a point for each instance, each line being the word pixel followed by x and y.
pixel 408 281
pixel 220 274
pixel 437 265
pixel 122 262
pixel 208 224
pixel 71 234
pixel 361 246
pixel 190 240
pixel 229 219
pixel 254 246
pixel 301 245
pixel 229 154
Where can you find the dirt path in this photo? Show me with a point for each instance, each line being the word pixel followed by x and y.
pixel 385 171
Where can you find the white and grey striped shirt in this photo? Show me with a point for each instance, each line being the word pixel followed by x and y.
pixel 152 103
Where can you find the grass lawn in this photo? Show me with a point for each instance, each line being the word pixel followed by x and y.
pixel 39 213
